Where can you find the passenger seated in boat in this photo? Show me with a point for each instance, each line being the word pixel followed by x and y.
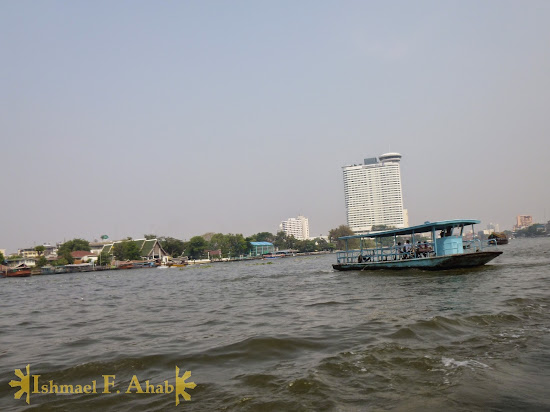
pixel 407 250
pixel 361 259
pixel 428 249
pixel 418 251
pixel 423 249
pixel 398 251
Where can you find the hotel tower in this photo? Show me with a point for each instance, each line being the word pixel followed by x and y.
pixel 297 227
pixel 373 193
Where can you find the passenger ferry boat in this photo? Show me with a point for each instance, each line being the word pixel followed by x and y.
pixel 446 249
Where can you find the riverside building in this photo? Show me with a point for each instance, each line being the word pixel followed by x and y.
pixel 297 227
pixel 523 221
pixel 373 193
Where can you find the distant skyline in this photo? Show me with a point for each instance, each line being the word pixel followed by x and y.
pixel 180 118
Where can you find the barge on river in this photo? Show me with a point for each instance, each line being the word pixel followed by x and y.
pixel 446 248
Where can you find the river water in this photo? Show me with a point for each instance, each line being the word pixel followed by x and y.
pixel 286 335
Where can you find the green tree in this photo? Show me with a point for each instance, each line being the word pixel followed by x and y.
pixel 2 258
pixel 322 244
pixel 221 242
pixel 207 236
pixel 280 240
pixel 42 261
pixel 66 255
pixel 292 242
pixel 149 237
pixel 104 259
pixel 61 262
pixel 132 251
pixel 306 246
pixel 532 231
pixel 263 237
pixel 196 247
pixel 238 245
pixel 73 245
pixel 126 250
pixel 40 250
pixel 229 244
pixel 334 236
pixel 174 247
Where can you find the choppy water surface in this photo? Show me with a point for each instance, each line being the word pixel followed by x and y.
pixel 290 335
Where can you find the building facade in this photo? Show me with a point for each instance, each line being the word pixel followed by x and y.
pixel 523 221
pixel 261 248
pixel 296 226
pixel 373 193
pixel 150 249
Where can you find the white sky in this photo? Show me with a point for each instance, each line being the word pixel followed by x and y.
pixel 180 118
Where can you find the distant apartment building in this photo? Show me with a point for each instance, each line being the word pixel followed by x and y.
pixel 373 193
pixel 27 253
pixel 297 227
pixel 523 221
pixel 33 253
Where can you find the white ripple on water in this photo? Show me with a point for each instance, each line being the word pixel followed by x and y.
pixel 472 364
pixel 512 334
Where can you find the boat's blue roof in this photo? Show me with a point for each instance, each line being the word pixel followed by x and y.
pixel 426 227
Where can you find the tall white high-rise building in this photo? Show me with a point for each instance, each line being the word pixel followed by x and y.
pixel 373 193
pixel 297 227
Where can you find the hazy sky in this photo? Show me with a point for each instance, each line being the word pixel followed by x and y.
pixel 184 117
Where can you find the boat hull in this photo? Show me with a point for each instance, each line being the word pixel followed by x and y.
pixel 273 256
pixel 23 273
pixel 465 260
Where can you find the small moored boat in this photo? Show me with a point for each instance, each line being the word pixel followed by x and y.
pixel 143 264
pixel 446 249
pixel 273 255
pixel 17 272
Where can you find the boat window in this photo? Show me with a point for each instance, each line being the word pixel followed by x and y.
pixel 446 232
